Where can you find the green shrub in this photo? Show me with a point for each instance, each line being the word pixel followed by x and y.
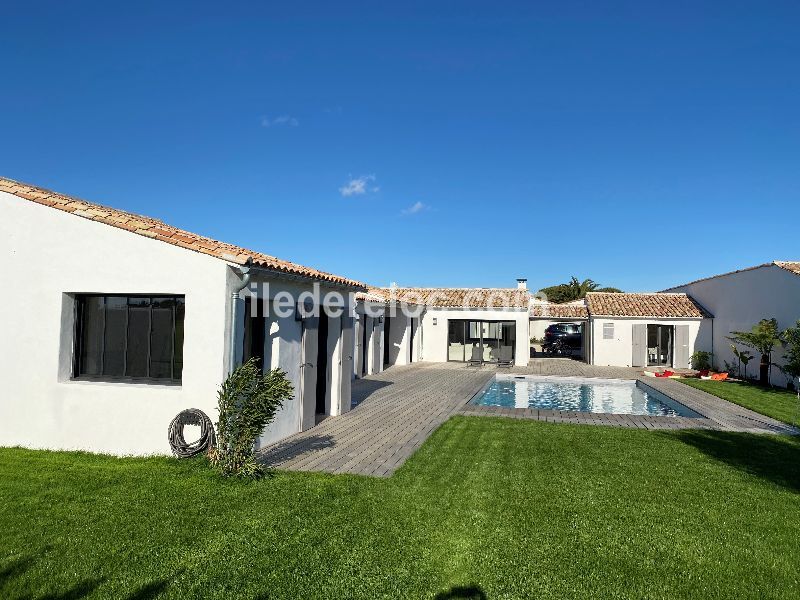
pixel 791 340
pixel 701 360
pixel 248 402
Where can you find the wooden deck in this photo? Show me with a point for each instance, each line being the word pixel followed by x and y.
pixel 395 412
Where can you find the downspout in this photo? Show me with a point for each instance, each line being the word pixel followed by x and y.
pixel 713 360
pixel 244 270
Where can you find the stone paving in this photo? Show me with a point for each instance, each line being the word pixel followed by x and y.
pixel 395 412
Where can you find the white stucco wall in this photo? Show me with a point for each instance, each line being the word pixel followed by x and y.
pixel 399 338
pixel 618 352
pixel 740 300
pixel 435 338
pixel 45 255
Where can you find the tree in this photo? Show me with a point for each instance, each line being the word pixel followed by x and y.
pixel 791 340
pixel 762 338
pixel 574 290
pixel 247 402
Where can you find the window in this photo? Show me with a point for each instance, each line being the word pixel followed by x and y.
pixel 129 337
pixel 608 331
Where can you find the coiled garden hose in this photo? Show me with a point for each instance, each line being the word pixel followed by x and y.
pixel 179 445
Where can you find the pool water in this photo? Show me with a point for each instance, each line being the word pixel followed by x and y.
pixel 615 396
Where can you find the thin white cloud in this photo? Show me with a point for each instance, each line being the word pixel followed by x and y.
pixel 415 208
pixel 287 120
pixel 358 186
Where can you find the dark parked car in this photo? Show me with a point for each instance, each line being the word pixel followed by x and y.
pixel 568 335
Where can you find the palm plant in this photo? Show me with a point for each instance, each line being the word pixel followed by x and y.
pixel 744 357
pixel 248 402
pixel 763 337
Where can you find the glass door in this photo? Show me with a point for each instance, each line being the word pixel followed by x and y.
pixel 487 341
pixel 659 345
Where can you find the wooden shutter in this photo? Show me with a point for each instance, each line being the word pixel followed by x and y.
pixel 639 345
pixel 346 361
pixel 681 347
pixel 310 348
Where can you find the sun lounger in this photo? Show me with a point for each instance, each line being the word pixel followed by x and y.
pixel 504 356
pixel 476 360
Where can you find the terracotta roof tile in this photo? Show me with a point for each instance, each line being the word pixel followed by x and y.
pixel 455 297
pixel 658 305
pixel 544 310
pixel 156 229
pixel 789 265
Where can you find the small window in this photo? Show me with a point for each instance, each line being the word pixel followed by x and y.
pixel 129 338
pixel 608 331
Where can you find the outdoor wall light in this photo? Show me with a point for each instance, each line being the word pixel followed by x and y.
pixel 434 320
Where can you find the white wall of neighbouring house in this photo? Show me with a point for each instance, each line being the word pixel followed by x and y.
pixel 740 300
pixel 47 256
pixel 435 337
pixel 618 351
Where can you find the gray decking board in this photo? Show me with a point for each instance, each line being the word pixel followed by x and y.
pixel 398 409
pixel 389 423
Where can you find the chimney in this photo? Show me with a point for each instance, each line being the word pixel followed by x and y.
pixel 522 284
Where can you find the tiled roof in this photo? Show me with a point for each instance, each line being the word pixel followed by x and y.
pixel 546 310
pixel 372 295
pixel 644 305
pixel 456 297
pixel 790 265
pixel 158 230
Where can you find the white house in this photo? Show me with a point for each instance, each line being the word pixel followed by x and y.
pixel 633 330
pixel 446 325
pixel 646 330
pixel 740 299
pixel 113 323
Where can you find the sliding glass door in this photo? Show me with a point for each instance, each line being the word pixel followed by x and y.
pixel 659 345
pixel 488 341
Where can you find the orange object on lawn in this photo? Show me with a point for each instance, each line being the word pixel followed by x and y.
pixel 719 376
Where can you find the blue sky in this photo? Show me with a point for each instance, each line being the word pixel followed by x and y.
pixel 426 143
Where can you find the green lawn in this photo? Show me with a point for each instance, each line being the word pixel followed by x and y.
pixel 500 507
pixel 775 403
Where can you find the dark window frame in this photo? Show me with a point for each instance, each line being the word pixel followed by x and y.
pixel 78 339
pixel 480 340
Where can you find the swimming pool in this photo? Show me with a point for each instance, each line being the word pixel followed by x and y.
pixel 615 396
